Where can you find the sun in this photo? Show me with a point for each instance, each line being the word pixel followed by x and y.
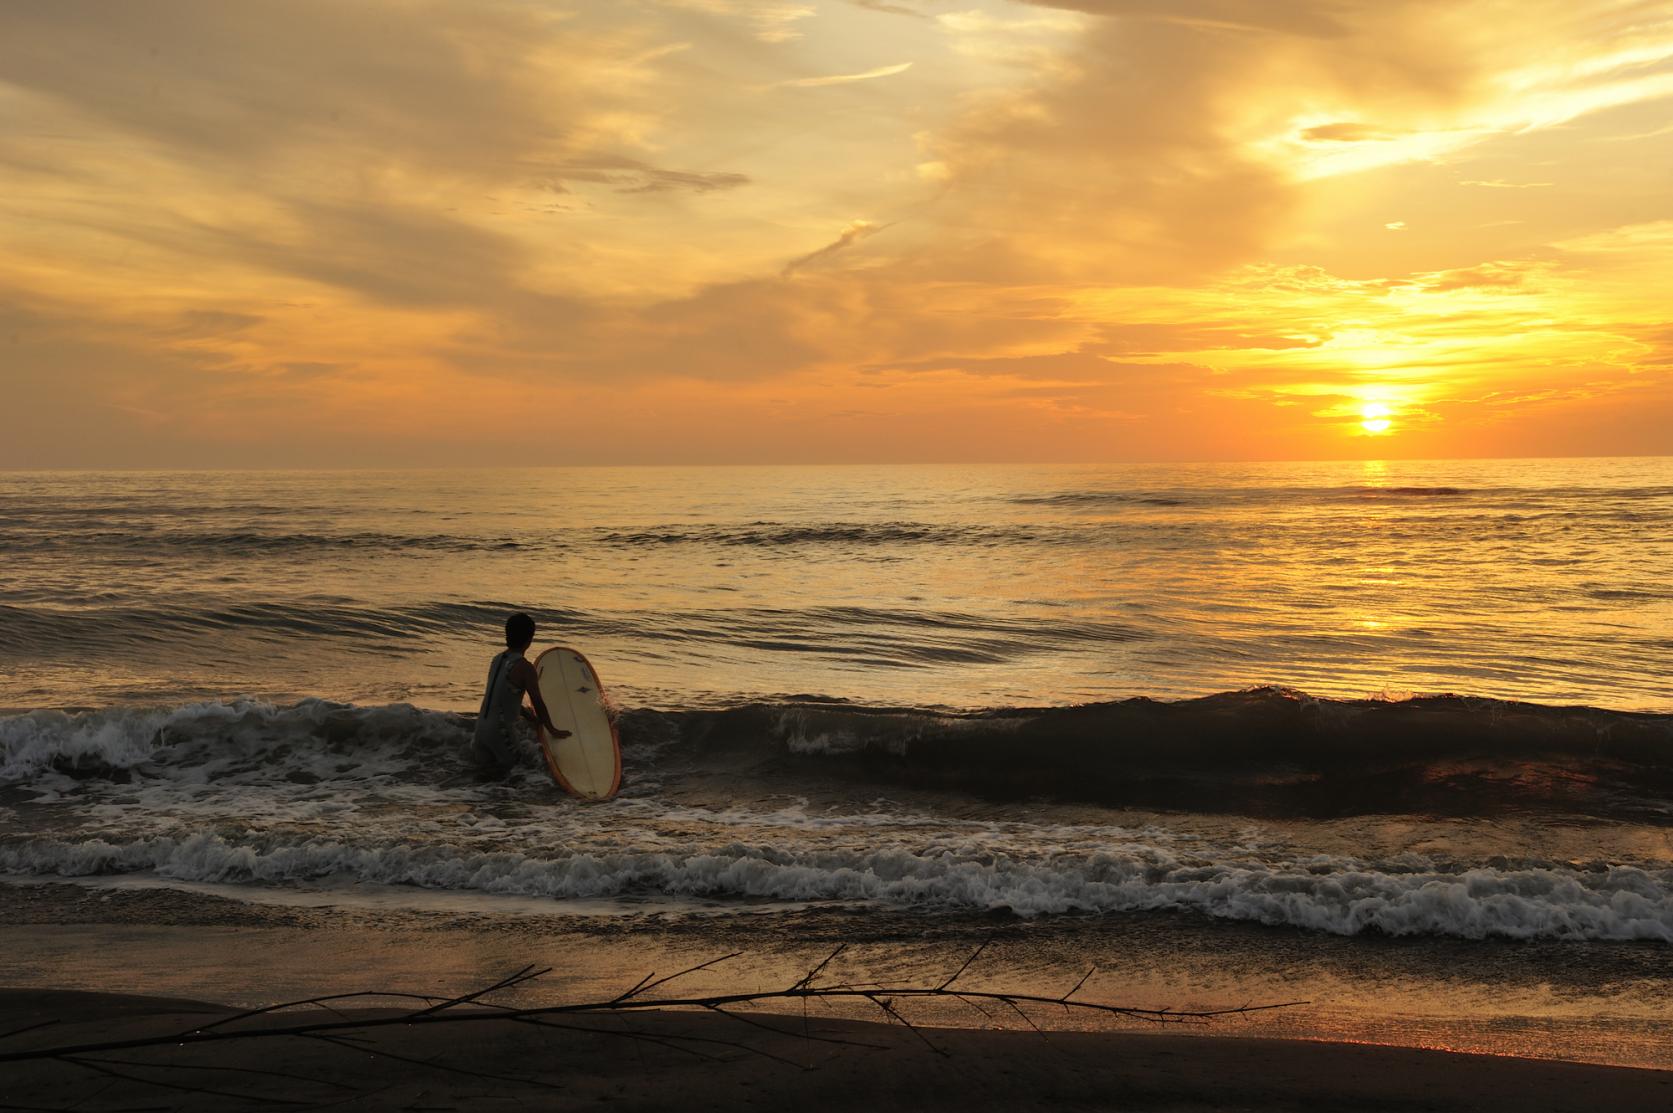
pixel 1374 418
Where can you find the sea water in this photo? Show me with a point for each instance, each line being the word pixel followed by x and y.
pixel 1362 702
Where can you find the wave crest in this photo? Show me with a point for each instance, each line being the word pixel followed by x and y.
pixel 1343 897
pixel 1264 751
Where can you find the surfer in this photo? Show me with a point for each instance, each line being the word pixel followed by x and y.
pixel 510 678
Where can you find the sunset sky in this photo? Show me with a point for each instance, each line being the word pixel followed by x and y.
pixel 369 232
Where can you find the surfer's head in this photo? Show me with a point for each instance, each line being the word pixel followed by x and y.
pixel 519 631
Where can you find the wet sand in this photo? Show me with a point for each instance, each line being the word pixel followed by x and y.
pixel 249 946
pixel 111 963
pixel 700 1062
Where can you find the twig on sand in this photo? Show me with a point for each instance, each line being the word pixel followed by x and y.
pixel 350 1033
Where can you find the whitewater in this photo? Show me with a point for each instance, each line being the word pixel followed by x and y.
pixel 322 793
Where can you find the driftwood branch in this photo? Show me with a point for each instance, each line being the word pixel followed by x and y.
pixel 350 1033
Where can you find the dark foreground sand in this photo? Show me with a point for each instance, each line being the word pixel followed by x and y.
pixel 443 1068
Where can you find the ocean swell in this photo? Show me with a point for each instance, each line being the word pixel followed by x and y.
pixel 140 537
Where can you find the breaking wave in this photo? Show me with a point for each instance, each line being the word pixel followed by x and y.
pixel 1265 751
pixel 1341 896
pixel 335 794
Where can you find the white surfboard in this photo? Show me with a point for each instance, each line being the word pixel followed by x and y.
pixel 588 763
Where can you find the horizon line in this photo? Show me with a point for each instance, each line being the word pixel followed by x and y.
pixel 15 469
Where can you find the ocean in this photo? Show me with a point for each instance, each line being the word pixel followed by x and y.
pixel 1412 719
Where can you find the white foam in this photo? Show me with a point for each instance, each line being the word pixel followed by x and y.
pixel 32 743
pixel 1344 897
pixel 252 794
pixel 252 741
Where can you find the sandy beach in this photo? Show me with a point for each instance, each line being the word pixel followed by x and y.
pixel 114 964
pixel 665 1060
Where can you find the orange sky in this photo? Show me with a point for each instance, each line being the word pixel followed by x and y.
pixel 344 232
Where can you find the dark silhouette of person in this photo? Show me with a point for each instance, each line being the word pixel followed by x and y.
pixel 494 748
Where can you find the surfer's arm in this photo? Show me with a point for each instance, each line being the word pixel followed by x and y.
pixel 531 684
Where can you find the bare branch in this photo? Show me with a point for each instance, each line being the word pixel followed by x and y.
pixel 975 1005
pixel 1078 984
pixel 317 1002
pixel 1020 1011
pixel 637 986
pixel 873 995
pixel 889 1009
pixel 806 981
pixel 352 1033
pixel 526 974
pixel 688 970
pixel 968 963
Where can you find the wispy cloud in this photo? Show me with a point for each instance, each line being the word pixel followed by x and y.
pixel 856 231
pixel 628 175
pixel 1496 183
pixel 1347 131
pixel 891 9
pixel 843 78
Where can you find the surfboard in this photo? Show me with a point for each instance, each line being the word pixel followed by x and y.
pixel 588 763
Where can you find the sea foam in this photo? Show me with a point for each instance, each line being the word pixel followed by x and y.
pixel 1343 897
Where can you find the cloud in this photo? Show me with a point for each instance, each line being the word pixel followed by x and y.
pixel 889 8
pixel 102 393
pixel 856 231
pixel 1496 183
pixel 210 322
pixel 398 255
pixel 1485 276
pixel 1061 368
pixel 312 369
pixel 845 78
pixel 768 21
pixel 1163 337
pixel 1308 18
pixel 1437 78
pixel 1114 165
pixel 378 98
pixel 1347 131
pixel 1623 240
pixel 1173 139
pixel 629 175
pixel 1122 227
pixel 452 85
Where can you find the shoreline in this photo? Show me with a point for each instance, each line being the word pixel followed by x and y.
pixel 708 1061
pixel 1601 1004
